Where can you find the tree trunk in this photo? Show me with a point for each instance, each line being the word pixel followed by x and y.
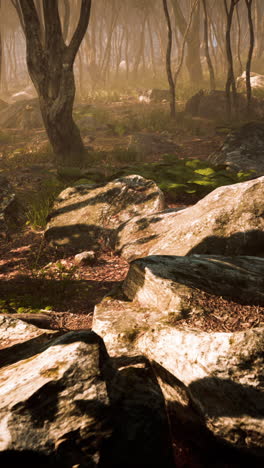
pixel 230 82
pixel 50 64
pixel 250 53
pixel 206 47
pixel 168 62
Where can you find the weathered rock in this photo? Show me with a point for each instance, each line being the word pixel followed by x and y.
pixel 54 402
pixel 170 284
pixel 85 258
pixel 64 404
pixel 150 143
pixel 158 95
pixel 11 213
pixel 212 105
pixel 83 217
pixel 228 221
pixel 23 114
pixel 120 322
pixel 222 374
pixel 243 149
pixel 256 81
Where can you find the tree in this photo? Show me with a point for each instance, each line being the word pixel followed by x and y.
pixel 230 82
pixel 50 65
pixel 206 47
pixel 250 53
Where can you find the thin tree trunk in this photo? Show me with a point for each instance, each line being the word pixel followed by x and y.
pixel 168 62
pixel 239 42
pixel 250 53
pixel 230 82
pixel 206 47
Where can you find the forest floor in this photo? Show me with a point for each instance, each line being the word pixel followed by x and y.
pixel 47 283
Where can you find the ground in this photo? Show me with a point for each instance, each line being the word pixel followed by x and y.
pixel 38 279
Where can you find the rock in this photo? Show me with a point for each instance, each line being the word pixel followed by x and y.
pixel 243 149
pixel 11 213
pixel 171 284
pixel 212 105
pixel 64 403
pixel 23 114
pixel 158 95
pixel 221 374
pixel 150 143
pixel 85 218
pixel 228 221
pixel 85 258
pixel 256 81
pixel 120 322
pixel 53 402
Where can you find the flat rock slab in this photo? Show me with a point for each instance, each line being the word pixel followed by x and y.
pixel 171 284
pixel 222 374
pixel 85 216
pixel 243 149
pixel 120 322
pixel 228 221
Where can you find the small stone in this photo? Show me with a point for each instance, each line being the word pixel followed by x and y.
pixel 85 258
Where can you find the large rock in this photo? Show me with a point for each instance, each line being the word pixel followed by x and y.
pixel 210 379
pixel 221 374
pixel 52 403
pixel 24 114
pixel 63 403
pixel 243 149
pixel 256 81
pixel 228 221
pixel 213 105
pixel 84 216
pixel 173 284
pixel 150 143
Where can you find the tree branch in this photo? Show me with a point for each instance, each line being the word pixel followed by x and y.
pixel 80 30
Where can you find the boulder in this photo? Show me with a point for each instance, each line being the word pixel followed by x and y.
pixel 211 380
pixel 242 149
pixel 149 143
pixel 64 403
pixel 228 221
pixel 212 105
pixel 85 217
pixel 173 284
pixel 219 375
pixel 24 114
pixel 53 402
pixel 256 81
pixel 158 95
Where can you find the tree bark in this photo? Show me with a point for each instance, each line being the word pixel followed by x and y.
pixel 206 47
pixel 193 59
pixel 168 62
pixel 230 82
pixel 250 53
pixel 50 65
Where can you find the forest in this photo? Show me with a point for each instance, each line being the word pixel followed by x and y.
pixel 132 222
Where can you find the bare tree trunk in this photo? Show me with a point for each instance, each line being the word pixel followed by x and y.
pixel 50 66
pixel 230 82
pixel 206 47
pixel 250 53
pixel 239 42
pixel 168 62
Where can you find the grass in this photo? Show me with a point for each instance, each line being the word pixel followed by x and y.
pixel 39 204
